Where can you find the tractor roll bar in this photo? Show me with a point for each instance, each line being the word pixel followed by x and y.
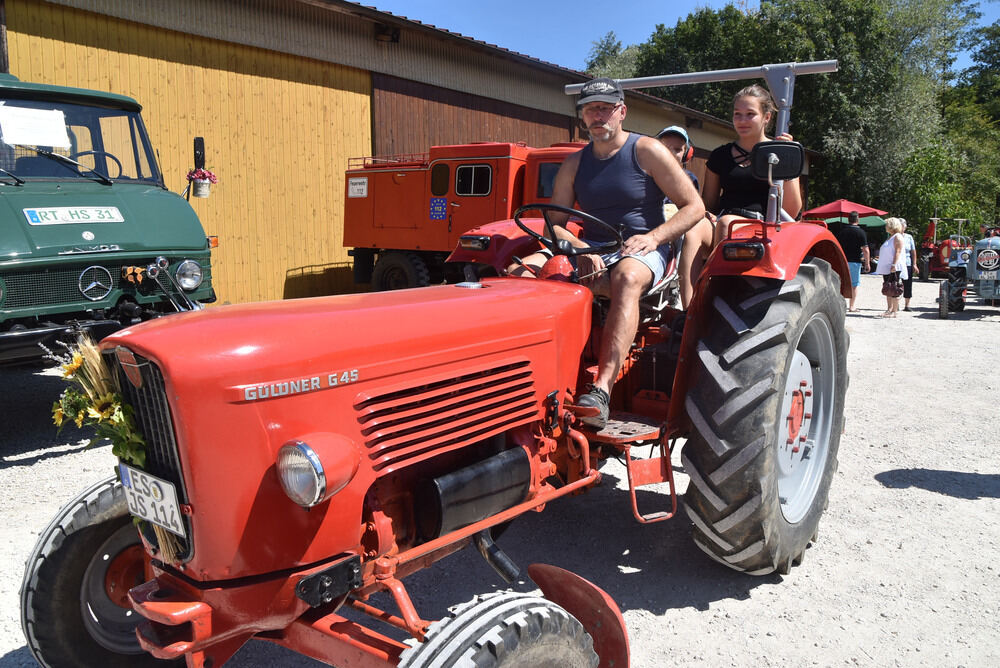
pixel 780 79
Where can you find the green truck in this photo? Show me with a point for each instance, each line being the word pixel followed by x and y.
pixel 90 237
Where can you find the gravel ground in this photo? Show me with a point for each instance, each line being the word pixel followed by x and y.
pixel 903 573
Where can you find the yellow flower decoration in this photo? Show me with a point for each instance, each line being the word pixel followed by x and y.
pixel 102 408
pixel 79 418
pixel 73 365
pixel 57 415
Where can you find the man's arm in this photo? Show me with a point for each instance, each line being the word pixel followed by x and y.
pixel 563 194
pixel 657 161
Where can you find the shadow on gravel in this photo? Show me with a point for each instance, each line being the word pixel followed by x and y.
pixel 652 567
pixel 971 312
pixel 26 397
pixel 951 483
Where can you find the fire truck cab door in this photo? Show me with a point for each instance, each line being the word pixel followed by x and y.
pixel 472 198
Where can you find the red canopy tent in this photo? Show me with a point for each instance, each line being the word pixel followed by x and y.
pixel 842 207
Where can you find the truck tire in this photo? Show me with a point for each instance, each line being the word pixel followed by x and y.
pixel 73 606
pixel 508 629
pixel 944 295
pixel 767 409
pixel 396 270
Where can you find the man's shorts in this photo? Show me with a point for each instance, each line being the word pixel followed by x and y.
pixel 855 269
pixel 657 260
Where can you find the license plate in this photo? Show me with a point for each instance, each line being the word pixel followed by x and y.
pixel 988 275
pixel 152 499
pixel 65 215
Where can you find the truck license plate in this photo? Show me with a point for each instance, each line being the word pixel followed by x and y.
pixel 152 499
pixel 988 275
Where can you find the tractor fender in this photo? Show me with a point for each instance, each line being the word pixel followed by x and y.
pixel 784 250
pixel 783 255
pixel 503 240
pixel 592 606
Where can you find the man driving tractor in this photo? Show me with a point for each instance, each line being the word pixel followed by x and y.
pixel 621 178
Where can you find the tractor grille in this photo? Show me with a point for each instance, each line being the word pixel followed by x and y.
pixel 404 426
pixel 153 418
pixel 54 286
pixel 49 287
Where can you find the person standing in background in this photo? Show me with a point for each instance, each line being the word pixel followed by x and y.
pixel 910 255
pixel 854 242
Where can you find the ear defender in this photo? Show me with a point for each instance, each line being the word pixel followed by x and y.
pixel 688 154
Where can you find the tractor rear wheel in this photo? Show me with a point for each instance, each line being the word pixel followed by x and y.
pixel 944 296
pixel 396 270
pixel 767 409
pixel 507 629
pixel 924 268
pixel 74 609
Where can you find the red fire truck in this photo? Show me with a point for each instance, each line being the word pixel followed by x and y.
pixel 403 214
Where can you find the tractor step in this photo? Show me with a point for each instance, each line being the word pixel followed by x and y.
pixel 625 430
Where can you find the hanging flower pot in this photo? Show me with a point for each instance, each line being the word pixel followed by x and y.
pixel 201 181
pixel 201 187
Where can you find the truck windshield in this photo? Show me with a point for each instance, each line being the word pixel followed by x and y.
pixel 110 142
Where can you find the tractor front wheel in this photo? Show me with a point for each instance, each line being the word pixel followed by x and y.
pixel 396 270
pixel 767 409
pixel 74 605
pixel 944 296
pixel 506 629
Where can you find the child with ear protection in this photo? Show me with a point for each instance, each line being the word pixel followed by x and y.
pixel 696 244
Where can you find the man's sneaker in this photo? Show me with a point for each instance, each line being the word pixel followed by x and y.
pixel 599 399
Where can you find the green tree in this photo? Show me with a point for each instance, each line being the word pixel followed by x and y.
pixel 609 59
pixel 866 120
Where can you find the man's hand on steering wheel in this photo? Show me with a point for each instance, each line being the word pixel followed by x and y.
pixel 558 246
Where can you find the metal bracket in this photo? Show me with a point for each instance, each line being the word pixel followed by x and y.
pixel 325 586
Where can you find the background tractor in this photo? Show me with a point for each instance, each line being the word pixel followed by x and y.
pixel 972 274
pixel 935 256
pixel 302 456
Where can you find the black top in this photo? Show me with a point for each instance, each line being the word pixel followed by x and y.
pixel 852 239
pixel 740 190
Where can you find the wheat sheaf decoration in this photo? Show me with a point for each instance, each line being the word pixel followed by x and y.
pixel 94 399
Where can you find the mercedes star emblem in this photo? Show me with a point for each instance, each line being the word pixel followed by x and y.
pixel 95 283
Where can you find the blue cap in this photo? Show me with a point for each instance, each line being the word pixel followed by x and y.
pixel 677 130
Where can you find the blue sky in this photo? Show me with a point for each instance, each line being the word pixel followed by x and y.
pixel 563 32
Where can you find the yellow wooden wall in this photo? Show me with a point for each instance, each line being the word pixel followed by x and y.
pixel 278 132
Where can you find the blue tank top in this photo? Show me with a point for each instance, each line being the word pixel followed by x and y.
pixel 617 191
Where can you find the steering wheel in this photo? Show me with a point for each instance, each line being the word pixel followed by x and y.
pixel 76 156
pixel 562 246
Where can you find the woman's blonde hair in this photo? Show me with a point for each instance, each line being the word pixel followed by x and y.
pixel 894 225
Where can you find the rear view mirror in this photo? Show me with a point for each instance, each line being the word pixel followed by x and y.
pixel 784 158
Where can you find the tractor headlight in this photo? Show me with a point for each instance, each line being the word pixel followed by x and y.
pixel 317 466
pixel 189 275
pixel 301 474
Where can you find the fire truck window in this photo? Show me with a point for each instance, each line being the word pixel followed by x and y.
pixel 439 180
pixel 473 180
pixel 546 177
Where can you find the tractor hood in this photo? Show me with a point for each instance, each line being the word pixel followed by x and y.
pixel 389 380
pixel 44 219
pixel 252 342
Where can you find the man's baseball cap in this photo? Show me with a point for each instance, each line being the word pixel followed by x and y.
pixel 600 90
pixel 677 130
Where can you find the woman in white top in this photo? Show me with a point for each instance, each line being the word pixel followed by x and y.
pixel 891 264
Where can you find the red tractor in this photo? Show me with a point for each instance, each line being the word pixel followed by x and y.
pixel 935 255
pixel 304 455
